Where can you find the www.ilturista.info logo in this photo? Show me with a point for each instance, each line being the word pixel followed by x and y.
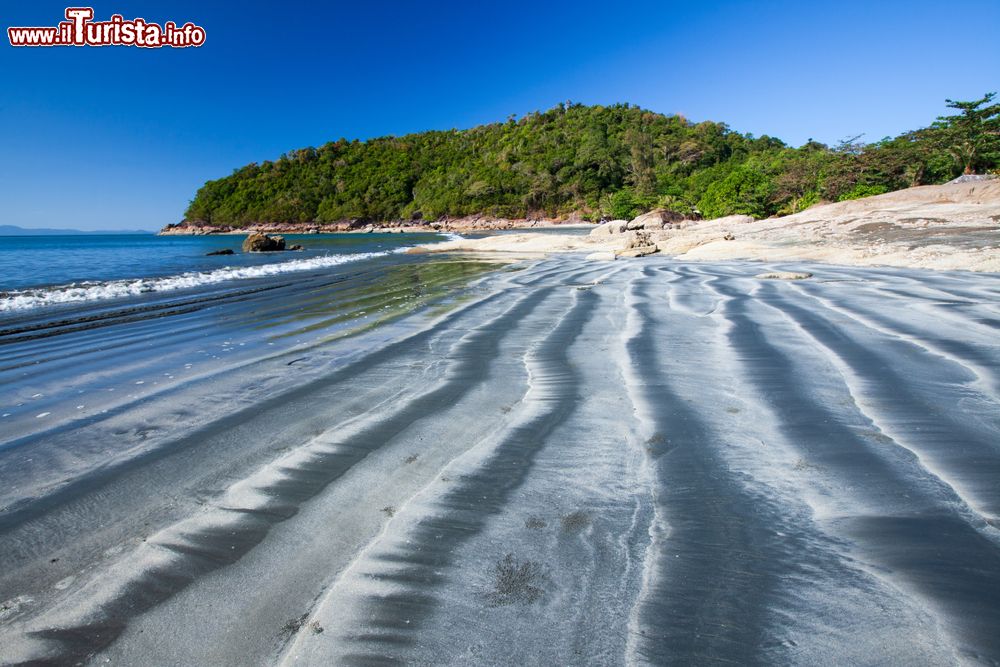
pixel 79 29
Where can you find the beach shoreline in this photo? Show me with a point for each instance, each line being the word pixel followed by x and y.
pixel 453 478
pixel 465 224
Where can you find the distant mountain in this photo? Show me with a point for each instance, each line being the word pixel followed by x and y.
pixel 14 230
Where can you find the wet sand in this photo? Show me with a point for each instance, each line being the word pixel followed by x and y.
pixel 558 462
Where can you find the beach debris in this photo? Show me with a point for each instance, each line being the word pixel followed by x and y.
pixel 14 606
pixel 783 275
pixel 576 521
pixel 515 581
pixel 257 242
pixel 292 626
pixel 224 251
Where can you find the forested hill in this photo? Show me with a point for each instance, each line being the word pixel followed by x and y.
pixel 594 161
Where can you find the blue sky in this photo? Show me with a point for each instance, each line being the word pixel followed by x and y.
pixel 118 137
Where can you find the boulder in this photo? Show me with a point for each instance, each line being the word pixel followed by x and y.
pixel 639 251
pixel 609 228
pixel 637 239
pixel 224 251
pixel 297 246
pixel 257 242
pixel 972 178
pixel 659 218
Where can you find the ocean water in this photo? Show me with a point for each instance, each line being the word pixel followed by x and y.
pixel 38 271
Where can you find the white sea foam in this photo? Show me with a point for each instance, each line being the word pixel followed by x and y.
pixel 111 289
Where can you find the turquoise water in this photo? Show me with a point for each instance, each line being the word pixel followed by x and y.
pixel 39 270
pixel 33 261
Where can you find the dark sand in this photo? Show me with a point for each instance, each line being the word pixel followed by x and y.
pixel 558 462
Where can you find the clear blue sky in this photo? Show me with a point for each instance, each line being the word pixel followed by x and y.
pixel 119 137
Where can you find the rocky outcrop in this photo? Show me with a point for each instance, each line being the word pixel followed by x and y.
pixel 224 251
pixel 972 178
pixel 609 228
pixel 638 243
pixel 732 220
pixel 640 251
pixel 469 223
pixel 659 218
pixel 258 242
pixel 637 239
pixel 655 220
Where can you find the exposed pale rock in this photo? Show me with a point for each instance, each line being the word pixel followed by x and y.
pixel 656 219
pixel 639 251
pixel 602 256
pixel 637 239
pixel 731 220
pixel 784 275
pixel 609 228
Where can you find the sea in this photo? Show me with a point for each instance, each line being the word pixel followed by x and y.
pixel 41 271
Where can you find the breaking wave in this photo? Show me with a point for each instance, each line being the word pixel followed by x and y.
pixel 113 289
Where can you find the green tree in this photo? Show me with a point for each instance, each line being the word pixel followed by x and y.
pixel 616 160
pixel 622 205
pixel 972 137
pixel 745 191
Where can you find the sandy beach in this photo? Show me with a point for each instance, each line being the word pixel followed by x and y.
pixel 643 461
pixel 372 335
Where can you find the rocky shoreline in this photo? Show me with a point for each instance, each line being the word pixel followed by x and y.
pixel 464 224
pixel 955 226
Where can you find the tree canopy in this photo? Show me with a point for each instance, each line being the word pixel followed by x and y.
pixel 591 161
pixel 972 137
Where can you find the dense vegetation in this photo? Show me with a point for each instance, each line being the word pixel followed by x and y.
pixel 593 161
